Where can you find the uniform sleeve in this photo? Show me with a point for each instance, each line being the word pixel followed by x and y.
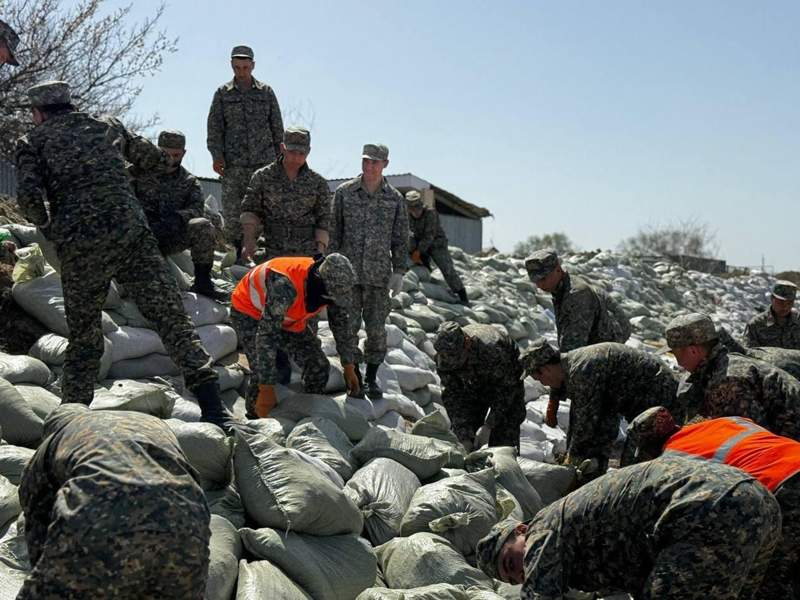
pixel 193 206
pixel 455 393
pixel 37 496
pixel 280 294
pixel 275 121
pixel 30 185
pixel 544 567
pixel 751 335
pixel 400 237
pixel 425 241
pixel 346 341
pixel 322 207
pixel 251 203
pixel 576 320
pixel 337 222
pixel 734 396
pixel 142 154
pixel 215 140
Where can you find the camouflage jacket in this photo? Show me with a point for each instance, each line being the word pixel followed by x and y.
pixel 606 535
pixel 729 384
pixel 764 330
pixel 426 231
pixel 107 472
pixel 167 194
pixel 288 211
pixel 81 165
pixel 245 128
pixel 371 230
pixel 586 315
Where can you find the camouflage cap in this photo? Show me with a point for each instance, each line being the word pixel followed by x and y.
pixel 50 92
pixel 242 52
pixel 686 330
pixel 449 346
pixel 375 152
pixel 784 290
pixel 413 198
pixel 541 263
pixel 297 139
pixel 339 277
pixel 489 547
pixel 655 425
pixel 538 354
pixel 11 39
pixel 171 138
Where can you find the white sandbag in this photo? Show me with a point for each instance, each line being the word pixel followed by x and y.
pixel 272 428
pixel 396 356
pixel 20 425
pixel 382 489
pixel 40 399
pixel 218 340
pixel 260 580
pixel 183 260
pixel 507 506
pixel 398 403
pixel 321 438
pixel 417 356
pixel 552 482
pixel 364 406
pixel 422 396
pixel 320 466
pixel 280 490
pixel 208 449
pixel 337 567
pixel 231 377
pixel 13 460
pixel 300 406
pixel 335 383
pixel 392 420
pixel 184 281
pixel 413 378
pixel 127 394
pixel 51 349
pixel 227 504
pixel 186 408
pixel 460 509
pixel 224 552
pixel 509 474
pixel 9 501
pixel 203 310
pixel 426 559
pixel 438 591
pixel 424 456
pixel 144 367
pixel 20 368
pixel 134 342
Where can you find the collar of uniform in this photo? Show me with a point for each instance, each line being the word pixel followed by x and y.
pixel 773 321
pixel 563 286
pixel 300 172
pixel 257 85
pixel 382 188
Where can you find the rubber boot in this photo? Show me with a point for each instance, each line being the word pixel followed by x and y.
pixel 360 393
pixel 462 297
pixel 203 284
pixel 284 367
pixel 211 408
pixel 373 390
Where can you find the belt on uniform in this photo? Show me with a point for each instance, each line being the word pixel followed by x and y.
pixel 288 231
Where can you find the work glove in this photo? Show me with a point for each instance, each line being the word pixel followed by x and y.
pixel 416 257
pixel 219 167
pixel 395 283
pixel 551 418
pixel 483 435
pixel 351 380
pixel 266 400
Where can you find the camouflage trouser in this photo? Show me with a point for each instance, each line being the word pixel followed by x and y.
pixel 138 565
pixel 467 408
pixel 441 256
pixel 234 186
pixel 371 303
pixel 197 235
pixel 133 259
pixel 782 579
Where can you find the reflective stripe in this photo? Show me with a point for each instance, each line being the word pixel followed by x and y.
pixel 725 449
pixel 257 296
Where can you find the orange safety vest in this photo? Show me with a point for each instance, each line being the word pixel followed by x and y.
pixel 250 295
pixel 740 443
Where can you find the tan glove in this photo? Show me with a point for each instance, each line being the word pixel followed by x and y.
pixel 351 379
pixel 551 418
pixel 266 400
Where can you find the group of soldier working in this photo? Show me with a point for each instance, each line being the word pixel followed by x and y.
pixel 677 522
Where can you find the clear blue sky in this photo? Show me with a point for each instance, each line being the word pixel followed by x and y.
pixel 591 118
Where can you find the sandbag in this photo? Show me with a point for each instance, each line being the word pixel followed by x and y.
pixel 399 403
pixel 260 580
pixel 204 311
pixel 208 449
pixel 230 378
pixel 218 340
pixel 425 559
pixel 336 567
pixel 507 505
pixel 224 553
pixel 13 460
pixel 127 394
pixel 509 474
pixel 438 591
pixel 21 426
pixel 9 501
pixel 280 490
pixel 321 438
pixel 320 466
pixel 228 504
pixel 460 509
pixel 300 406
pixel 40 399
pixel 552 482
pixel 413 378
pixel 134 342
pixel 424 456
pixel 51 349
pixel 14 563
pixel 272 428
pixel 382 489
pixel 143 367
pixel 437 426
pixel 20 368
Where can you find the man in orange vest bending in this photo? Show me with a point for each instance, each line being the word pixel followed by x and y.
pixel 740 443
pixel 273 304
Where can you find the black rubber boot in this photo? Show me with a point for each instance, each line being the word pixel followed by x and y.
pixel 462 297
pixel 211 408
pixel 360 393
pixel 373 390
pixel 203 284
pixel 284 367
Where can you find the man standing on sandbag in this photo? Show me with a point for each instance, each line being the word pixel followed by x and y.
pixel 369 225
pixel 671 529
pixel 428 241
pixel 604 383
pixel 9 40
pixel 480 370
pixel 112 510
pixel 78 162
pixel 779 325
pixel 273 304
pixel 173 204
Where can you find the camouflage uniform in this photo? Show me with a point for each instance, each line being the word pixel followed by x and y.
pixel 245 129
pixel 112 510
pixel 482 375
pixel 100 232
pixel 429 238
pixel 764 330
pixel 788 360
pixel 673 528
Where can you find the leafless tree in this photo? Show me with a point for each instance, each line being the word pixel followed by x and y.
pixel 687 237
pixel 557 240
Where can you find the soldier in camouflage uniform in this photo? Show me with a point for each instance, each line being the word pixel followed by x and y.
pixel 369 225
pixel 100 232
pixel 584 314
pixel 604 382
pixel 428 241
pixel 112 509
pixel 671 529
pixel 723 384
pixel 245 129
pixel 480 370
pixel 779 326
pixel 9 40
pixel 173 204
pixel 273 305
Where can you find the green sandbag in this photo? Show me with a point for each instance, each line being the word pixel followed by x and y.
pixel 321 438
pixel 224 552
pixel 208 449
pixel 423 455
pixel 300 406
pixel 274 429
pixel 41 400
pixel 509 474
pixel 336 567
pixel 435 425
pixel 21 426
pixel 13 460
pixel 261 580
pixel 9 501
pixel 438 591
pixel 14 562
pixel 228 504
pixel 553 482
pixel 129 394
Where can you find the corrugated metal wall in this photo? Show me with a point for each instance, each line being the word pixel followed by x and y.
pixel 8 179
pixel 465 233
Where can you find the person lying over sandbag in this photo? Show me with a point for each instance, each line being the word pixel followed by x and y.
pixel 112 510
pixel 273 304
pixel 674 528
pixel 783 358
pixel 740 443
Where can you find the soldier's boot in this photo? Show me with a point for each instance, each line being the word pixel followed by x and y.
pixel 360 393
pixel 212 410
pixel 283 367
pixel 462 297
pixel 373 390
pixel 203 284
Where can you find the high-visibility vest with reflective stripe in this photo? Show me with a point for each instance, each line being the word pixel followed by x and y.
pixel 250 295
pixel 740 443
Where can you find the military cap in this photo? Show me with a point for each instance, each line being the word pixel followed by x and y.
pixel 655 425
pixel 489 547
pixel 784 290
pixel 686 330
pixel 375 152
pixel 339 277
pixel 413 198
pixel 538 354
pixel 449 346
pixel 171 138
pixel 11 39
pixel 541 263
pixel 297 139
pixel 50 92
pixel 242 52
